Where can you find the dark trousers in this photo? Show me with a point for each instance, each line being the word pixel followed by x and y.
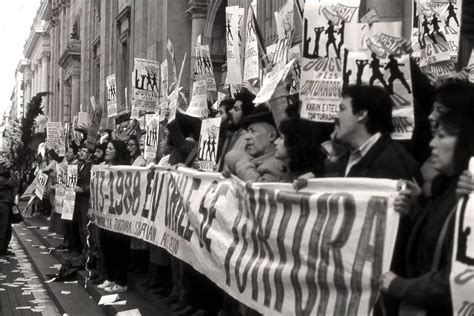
pixel 81 207
pixel 116 250
pixel 5 226
pixel 72 233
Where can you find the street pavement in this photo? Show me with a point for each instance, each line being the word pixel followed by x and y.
pixel 21 290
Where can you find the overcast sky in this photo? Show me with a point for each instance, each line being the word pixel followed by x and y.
pixel 16 18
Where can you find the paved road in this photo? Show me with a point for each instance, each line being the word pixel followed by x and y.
pixel 21 291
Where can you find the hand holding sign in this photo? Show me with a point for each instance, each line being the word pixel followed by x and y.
pixel 465 184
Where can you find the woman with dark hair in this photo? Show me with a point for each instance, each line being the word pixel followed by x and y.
pixel 115 246
pixel 299 146
pixel 428 255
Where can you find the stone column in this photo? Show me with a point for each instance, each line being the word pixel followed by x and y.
pixel 66 100
pixel 75 94
pixel 45 56
pixel 198 11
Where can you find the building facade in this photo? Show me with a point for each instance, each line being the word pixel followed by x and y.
pixel 74 45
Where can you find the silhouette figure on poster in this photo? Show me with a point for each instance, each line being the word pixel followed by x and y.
pixel 229 30
pixel 208 149
pixel 346 74
pixel 426 32
pixel 143 82
pixel 149 82
pixel 340 32
pixel 435 23
pixel 203 149
pixel 361 63
pixel 318 31
pixel 154 83
pixel 212 155
pixel 451 14
pixel 331 38
pixel 376 73
pixel 395 73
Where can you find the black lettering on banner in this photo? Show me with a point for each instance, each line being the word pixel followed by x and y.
pixel 209 214
pixel 127 195
pixel 328 244
pixel 372 229
pixel 118 204
pixel 263 234
pixel 101 203
pixel 278 277
pixel 136 193
pixel 150 188
pixel 112 188
pixel 235 233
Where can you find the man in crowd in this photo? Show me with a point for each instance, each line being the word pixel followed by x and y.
pixel 81 205
pixel 363 125
pixel 257 163
pixel 243 106
pixel 8 184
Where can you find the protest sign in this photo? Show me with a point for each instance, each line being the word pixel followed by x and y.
pixel 271 81
pixel 379 60
pixel 208 144
pixel 251 61
pixel 203 69
pixel 234 71
pixel 93 130
pixel 151 136
pixel 41 185
pixel 55 138
pixel 321 251
pixel 70 193
pixel 285 28
pixel 370 17
pixel 198 105
pixel 462 266
pixel 145 83
pixel 323 40
pixel 295 54
pixel 174 72
pixel 61 179
pixel 173 98
pixel 111 96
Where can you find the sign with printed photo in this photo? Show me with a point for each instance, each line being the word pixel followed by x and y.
pixel 208 143
pixel 146 84
pixel 111 96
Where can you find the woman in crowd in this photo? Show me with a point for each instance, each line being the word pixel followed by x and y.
pixel 115 246
pixel 429 250
pixel 299 147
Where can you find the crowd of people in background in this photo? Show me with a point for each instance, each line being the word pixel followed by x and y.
pixel 432 168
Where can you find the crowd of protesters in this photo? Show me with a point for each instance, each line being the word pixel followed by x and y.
pixel 432 169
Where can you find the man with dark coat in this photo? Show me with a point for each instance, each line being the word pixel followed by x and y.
pixel 364 124
pixel 81 205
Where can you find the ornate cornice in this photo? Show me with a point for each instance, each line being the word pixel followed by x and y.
pixel 197 9
pixel 70 60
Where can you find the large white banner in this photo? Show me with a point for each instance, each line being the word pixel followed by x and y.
pixel 146 84
pixel 462 267
pixel 320 251
pixel 323 52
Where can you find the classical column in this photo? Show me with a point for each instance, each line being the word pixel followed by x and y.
pixel 66 102
pixel 27 93
pixel 75 93
pixel 45 82
pixel 198 11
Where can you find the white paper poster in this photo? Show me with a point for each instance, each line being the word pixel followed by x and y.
pixel 70 193
pixel 208 143
pixel 323 43
pixel 198 105
pixel 234 71
pixel 111 96
pixel 146 84
pixel 203 69
pixel 251 61
pixel 151 136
